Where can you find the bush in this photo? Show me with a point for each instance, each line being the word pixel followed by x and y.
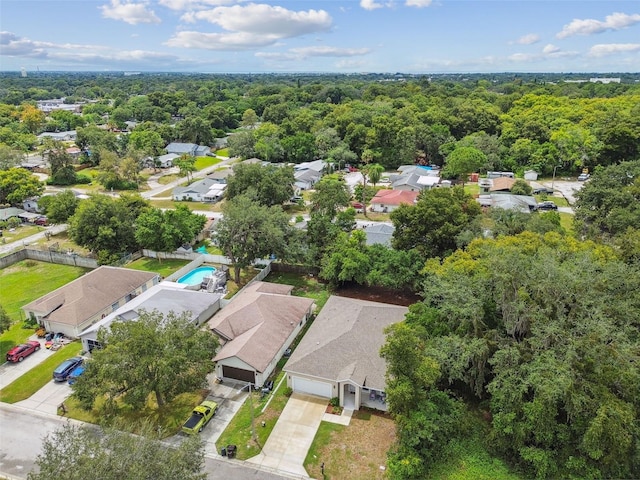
pixel 83 179
pixel 334 402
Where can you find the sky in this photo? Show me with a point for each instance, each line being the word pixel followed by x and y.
pixel 341 36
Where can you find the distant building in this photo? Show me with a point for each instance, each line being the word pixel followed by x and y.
pixel 68 136
pixel 604 80
pixel 188 149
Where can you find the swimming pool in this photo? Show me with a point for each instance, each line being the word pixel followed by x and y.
pixel 194 277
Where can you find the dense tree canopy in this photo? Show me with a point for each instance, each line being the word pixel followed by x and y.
pixel 545 329
pixel 163 355
pixel 268 185
pixel 81 453
pixel 18 184
pixel 166 230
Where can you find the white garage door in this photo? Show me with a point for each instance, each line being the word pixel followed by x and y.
pixel 303 385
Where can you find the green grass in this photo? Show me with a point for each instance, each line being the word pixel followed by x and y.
pixel 238 432
pixel 303 286
pixel 215 207
pixel 23 282
pixel 204 162
pixel 36 378
pixel 321 440
pixel 559 201
pixel 23 231
pixel 223 152
pixel 472 188
pixel 167 420
pixel 165 267
pixel 566 222
pixel 166 179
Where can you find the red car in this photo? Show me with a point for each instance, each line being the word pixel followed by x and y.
pixel 17 353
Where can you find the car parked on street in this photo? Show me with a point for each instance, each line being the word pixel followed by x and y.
pixel 19 352
pixel 583 177
pixel 62 372
pixel 543 191
pixel 548 205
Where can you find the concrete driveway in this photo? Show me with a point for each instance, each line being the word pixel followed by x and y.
pixel 292 436
pixel 47 399
pixel 11 371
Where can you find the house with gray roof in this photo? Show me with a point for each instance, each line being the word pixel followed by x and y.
pixel 507 201
pixel 68 136
pixel 379 233
pixel 81 303
pixel 256 328
pixel 165 298
pixel 339 355
pixel 305 179
pixel 188 149
pixel 205 190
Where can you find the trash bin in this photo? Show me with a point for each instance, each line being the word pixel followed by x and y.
pixel 223 452
pixel 231 451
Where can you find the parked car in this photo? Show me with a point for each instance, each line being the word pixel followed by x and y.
pixel 42 221
pixel 200 417
pixel 583 177
pixel 73 376
pixel 19 352
pixel 62 372
pixel 548 205
pixel 295 199
pixel 543 191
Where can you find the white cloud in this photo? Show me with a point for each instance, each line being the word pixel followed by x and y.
pixel 606 49
pixel 129 12
pixel 248 26
pixel 194 4
pixel 221 41
pixel 370 4
pixel 615 21
pixel 418 3
pixel 549 48
pixel 13 45
pixel 325 51
pixel 528 39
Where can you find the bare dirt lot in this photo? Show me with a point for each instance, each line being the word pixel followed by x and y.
pixel 358 451
pixel 376 294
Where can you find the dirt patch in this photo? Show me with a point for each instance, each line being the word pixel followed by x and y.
pixel 358 451
pixel 377 294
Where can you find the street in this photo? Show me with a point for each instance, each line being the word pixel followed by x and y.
pixel 23 432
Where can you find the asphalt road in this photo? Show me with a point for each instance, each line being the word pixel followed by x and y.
pixel 23 431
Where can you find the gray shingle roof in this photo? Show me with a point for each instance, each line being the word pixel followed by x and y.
pixel 344 342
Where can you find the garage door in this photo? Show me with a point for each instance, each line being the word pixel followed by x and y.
pixel 238 374
pixel 303 385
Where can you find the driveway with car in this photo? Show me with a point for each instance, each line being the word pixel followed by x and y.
pixel 292 436
pixel 11 371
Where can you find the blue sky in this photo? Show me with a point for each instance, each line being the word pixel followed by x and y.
pixel 344 36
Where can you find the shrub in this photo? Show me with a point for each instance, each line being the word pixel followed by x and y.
pixel 334 402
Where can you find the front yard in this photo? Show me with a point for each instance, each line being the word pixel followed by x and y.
pixel 357 451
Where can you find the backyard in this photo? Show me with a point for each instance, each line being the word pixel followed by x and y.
pixel 24 282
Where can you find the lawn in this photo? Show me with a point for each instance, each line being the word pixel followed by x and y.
pixel 210 207
pixel 62 243
pixel 24 282
pixel 303 286
pixel 167 420
pixel 223 152
pixel 23 231
pixel 238 432
pixel 164 268
pixel 36 378
pixel 356 451
pixel 204 162
pixel 566 222
pixel 166 179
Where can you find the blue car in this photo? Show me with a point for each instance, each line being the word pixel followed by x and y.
pixel 63 371
pixel 73 376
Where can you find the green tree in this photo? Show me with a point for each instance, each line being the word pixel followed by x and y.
pixel 163 355
pixel 111 455
pixel 148 142
pixel 431 226
pixel 249 231
pixel 186 164
pixel 374 171
pixel 347 261
pixel 463 161
pixel 18 184
pixel 9 157
pixel 166 230
pixel 249 118
pixel 521 187
pixel 5 321
pixel 105 226
pixel 268 184
pixel 331 194
pixel 62 206
pixel 60 162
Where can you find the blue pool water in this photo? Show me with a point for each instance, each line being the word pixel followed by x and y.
pixel 201 249
pixel 194 277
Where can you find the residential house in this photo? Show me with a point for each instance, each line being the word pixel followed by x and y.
pixel 388 200
pixel 79 304
pixel 163 161
pixel 500 174
pixel 74 152
pixel 221 175
pixel 165 298
pixel 7 213
pixel 415 178
pixel 305 179
pixel 256 328
pixel 501 184
pixel 379 233
pixel 69 136
pixel 204 190
pixel 188 149
pixel 507 201
pixel 317 166
pixel 339 355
